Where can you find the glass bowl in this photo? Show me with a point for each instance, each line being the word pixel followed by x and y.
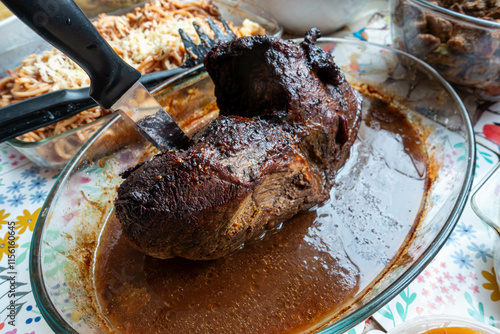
pixel 68 228
pixel 17 42
pixel 464 49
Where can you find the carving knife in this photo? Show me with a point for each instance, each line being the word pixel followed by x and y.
pixel 114 83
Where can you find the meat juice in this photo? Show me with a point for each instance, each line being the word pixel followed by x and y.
pixel 291 281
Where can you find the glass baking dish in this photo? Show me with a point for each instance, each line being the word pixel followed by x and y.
pixel 82 199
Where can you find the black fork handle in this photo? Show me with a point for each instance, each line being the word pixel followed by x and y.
pixel 66 27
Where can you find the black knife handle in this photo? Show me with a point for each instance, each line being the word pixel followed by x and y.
pixel 28 115
pixel 66 27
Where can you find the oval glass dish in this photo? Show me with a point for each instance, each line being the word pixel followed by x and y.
pixel 55 152
pixel 69 227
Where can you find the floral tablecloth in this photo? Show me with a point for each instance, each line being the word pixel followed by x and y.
pixel 23 189
pixel 460 280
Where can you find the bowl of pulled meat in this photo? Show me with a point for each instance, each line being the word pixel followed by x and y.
pixel 322 176
pixel 460 39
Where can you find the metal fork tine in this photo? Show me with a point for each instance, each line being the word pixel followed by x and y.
pixel 196 53
pixel 219 34
pixel 206 41
pixel 186 40
pixel 192 51
pixel 229 32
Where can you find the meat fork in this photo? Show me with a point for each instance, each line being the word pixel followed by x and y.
pixel 31 114
pixel 196 53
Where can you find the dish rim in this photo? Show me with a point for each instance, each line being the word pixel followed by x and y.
pixel 57 323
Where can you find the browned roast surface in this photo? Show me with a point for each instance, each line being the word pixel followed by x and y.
pixel 287 121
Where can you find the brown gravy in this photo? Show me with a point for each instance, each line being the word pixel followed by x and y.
pixel 291 281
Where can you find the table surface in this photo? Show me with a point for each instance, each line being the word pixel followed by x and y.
pixel 459 281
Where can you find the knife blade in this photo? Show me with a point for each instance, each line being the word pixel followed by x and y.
pixel 114 83
pixel 142 110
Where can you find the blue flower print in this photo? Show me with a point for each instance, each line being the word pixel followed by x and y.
pixel 17 200
pixel 465 230
pixel 452 240
pixel 481 251
pixel 463 260
pixel 31 172
pixel 39 196
pixel 38 183
pixel 2 199
pixel 15 187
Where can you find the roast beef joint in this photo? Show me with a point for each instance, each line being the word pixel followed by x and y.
pixel 287 121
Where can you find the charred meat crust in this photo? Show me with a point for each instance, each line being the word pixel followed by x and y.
pixel 287 121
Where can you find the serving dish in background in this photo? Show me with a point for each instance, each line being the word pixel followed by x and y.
pixel 92 8
pixel 17 41
pixel 297 16
pixel 464 49
pixel 67 231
